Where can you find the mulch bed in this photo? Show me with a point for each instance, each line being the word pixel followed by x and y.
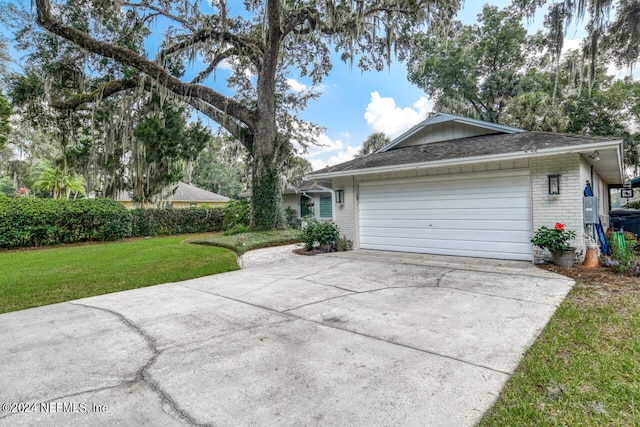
pixel 603 277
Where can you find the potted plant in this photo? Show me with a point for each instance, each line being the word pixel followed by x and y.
pixel 556 241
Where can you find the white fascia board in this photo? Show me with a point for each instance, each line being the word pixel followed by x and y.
pixel 474 160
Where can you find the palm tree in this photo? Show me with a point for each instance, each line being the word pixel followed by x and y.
pixel 61 182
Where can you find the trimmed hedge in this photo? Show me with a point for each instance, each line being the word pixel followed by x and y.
pixel 167 222
pixel 39 222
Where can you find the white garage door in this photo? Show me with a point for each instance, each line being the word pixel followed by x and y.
pixel 478 215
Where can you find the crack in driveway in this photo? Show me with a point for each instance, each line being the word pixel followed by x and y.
pixel 141 374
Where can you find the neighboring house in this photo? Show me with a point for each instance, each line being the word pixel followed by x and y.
pixel 182 196
pixel 457 186
pixel 310 199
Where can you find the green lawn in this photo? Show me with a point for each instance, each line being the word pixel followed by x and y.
pixel 32 278
pixel 584 369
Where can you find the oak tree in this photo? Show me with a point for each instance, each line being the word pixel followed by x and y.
pixel 261 41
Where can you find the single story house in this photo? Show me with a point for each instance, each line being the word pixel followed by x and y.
pixel 183 195
pixel 458 186
pixel 310 198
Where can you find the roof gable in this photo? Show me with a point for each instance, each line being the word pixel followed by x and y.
pixel 183 192
pixel 188 193
pixel 445 127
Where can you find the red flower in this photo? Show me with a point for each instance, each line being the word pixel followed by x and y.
pixel 559 226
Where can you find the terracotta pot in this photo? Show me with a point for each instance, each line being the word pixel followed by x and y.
pixel 591 258
pixel 564 258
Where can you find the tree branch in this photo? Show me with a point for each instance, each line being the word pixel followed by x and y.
pixel 164 13
pixel 204 35
pixel 103 91
pixel 156 72
pixel 241 133
pixel 212 66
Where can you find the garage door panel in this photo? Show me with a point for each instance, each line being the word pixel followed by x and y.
pixel 486 216
pixel 490 227
pixel 484 253
pixel 441 245
pixel 443 214
pixel 476 202
pixel 469 186
pixel 460 235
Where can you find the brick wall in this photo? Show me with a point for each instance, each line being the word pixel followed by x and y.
pixel 565 207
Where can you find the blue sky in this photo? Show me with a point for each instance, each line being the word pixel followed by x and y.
pixel 354 104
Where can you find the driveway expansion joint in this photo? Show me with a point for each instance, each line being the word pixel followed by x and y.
pixel 141 374
pixel 329 325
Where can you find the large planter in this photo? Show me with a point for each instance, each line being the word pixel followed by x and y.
pixel 564 258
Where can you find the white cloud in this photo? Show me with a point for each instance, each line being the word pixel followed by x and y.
pixel 329 152
pixel 324 145
pixel 296 86
pixel 383 115
pixel 340 157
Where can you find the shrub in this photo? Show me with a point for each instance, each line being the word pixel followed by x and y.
pixel 35 222
pixel 624 260
pixel 236 213
pixel 322 232
pixel 555 239
pixel 292 219
pixel 169 221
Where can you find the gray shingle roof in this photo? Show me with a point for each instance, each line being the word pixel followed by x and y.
pixel 189 193
pixel 185 193
pixel 477 146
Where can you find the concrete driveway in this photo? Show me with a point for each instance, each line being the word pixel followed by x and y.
pixel 357 338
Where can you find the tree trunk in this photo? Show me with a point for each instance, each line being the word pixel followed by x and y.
pixel 265 195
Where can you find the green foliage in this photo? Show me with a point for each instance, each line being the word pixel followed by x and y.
pixel 35 222
pixel 6 186
pixel 553 239
pixel 373 143
pixel 221 167
pixel 265 200
pixel 625 258
pixel 166 141
pixel 5 113
pixel 292 218
pixel 344 244
pixel 166 222
pixel 472 70
pixel 60 182
pixel 236 213
pixel 236 229
pixel 322 232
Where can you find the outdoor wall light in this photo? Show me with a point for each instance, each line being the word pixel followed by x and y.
pixel 595 156
pixel 339 196
pixel 554 184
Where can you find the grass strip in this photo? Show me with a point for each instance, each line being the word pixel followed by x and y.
pixel 34 278
pixel 584 369
pixel 241 243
